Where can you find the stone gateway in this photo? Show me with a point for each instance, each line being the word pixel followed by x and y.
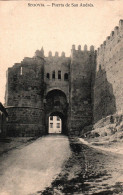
pixel 80 89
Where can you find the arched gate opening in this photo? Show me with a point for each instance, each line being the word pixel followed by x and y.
pixel 56 112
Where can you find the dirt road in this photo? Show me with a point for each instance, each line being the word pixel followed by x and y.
pixel 53 165
pixel 29 169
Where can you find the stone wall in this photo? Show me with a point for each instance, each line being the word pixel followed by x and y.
pixel 25 121
pixel 108 89
pixel 57 64
pixel 3 120
pixel 81 75
pixel 1 123
pixel 25 83
pixel 25 92
pixel 56 78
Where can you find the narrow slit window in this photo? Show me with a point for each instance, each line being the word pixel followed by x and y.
pixel 99 66
pixel 48 76
pixel 66 76
pixel 53 75
pixel 59 74
pixel 21 71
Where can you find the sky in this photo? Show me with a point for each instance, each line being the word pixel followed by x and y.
pixel 25 29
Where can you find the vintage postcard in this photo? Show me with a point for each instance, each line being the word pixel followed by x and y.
pixel 61 97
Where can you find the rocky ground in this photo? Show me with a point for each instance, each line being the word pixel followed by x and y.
pixel 115 147
pixel 89 171
pixel 106 134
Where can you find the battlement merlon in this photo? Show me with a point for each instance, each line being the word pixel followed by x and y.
pixel 50 55
pixel 85 49
pixel 113 35
pixel 121 24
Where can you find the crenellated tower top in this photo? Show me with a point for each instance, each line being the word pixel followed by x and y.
pixel 114 38
pixel 84 49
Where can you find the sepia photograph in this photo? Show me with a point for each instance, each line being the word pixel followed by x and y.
pixel 61 97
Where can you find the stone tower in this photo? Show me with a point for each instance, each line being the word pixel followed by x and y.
pixel 81 76
pixel 24 97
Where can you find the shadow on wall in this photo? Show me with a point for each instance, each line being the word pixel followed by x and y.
pixel 3 119
pixel 104 99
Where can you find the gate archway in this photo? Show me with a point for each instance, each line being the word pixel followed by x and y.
pixel 56 105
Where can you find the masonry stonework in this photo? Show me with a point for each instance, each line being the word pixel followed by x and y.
pixel 108 88
pixel 80 92
pixel 24 97
pixel 80 89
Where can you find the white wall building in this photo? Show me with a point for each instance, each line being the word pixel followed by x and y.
pixel 55 124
